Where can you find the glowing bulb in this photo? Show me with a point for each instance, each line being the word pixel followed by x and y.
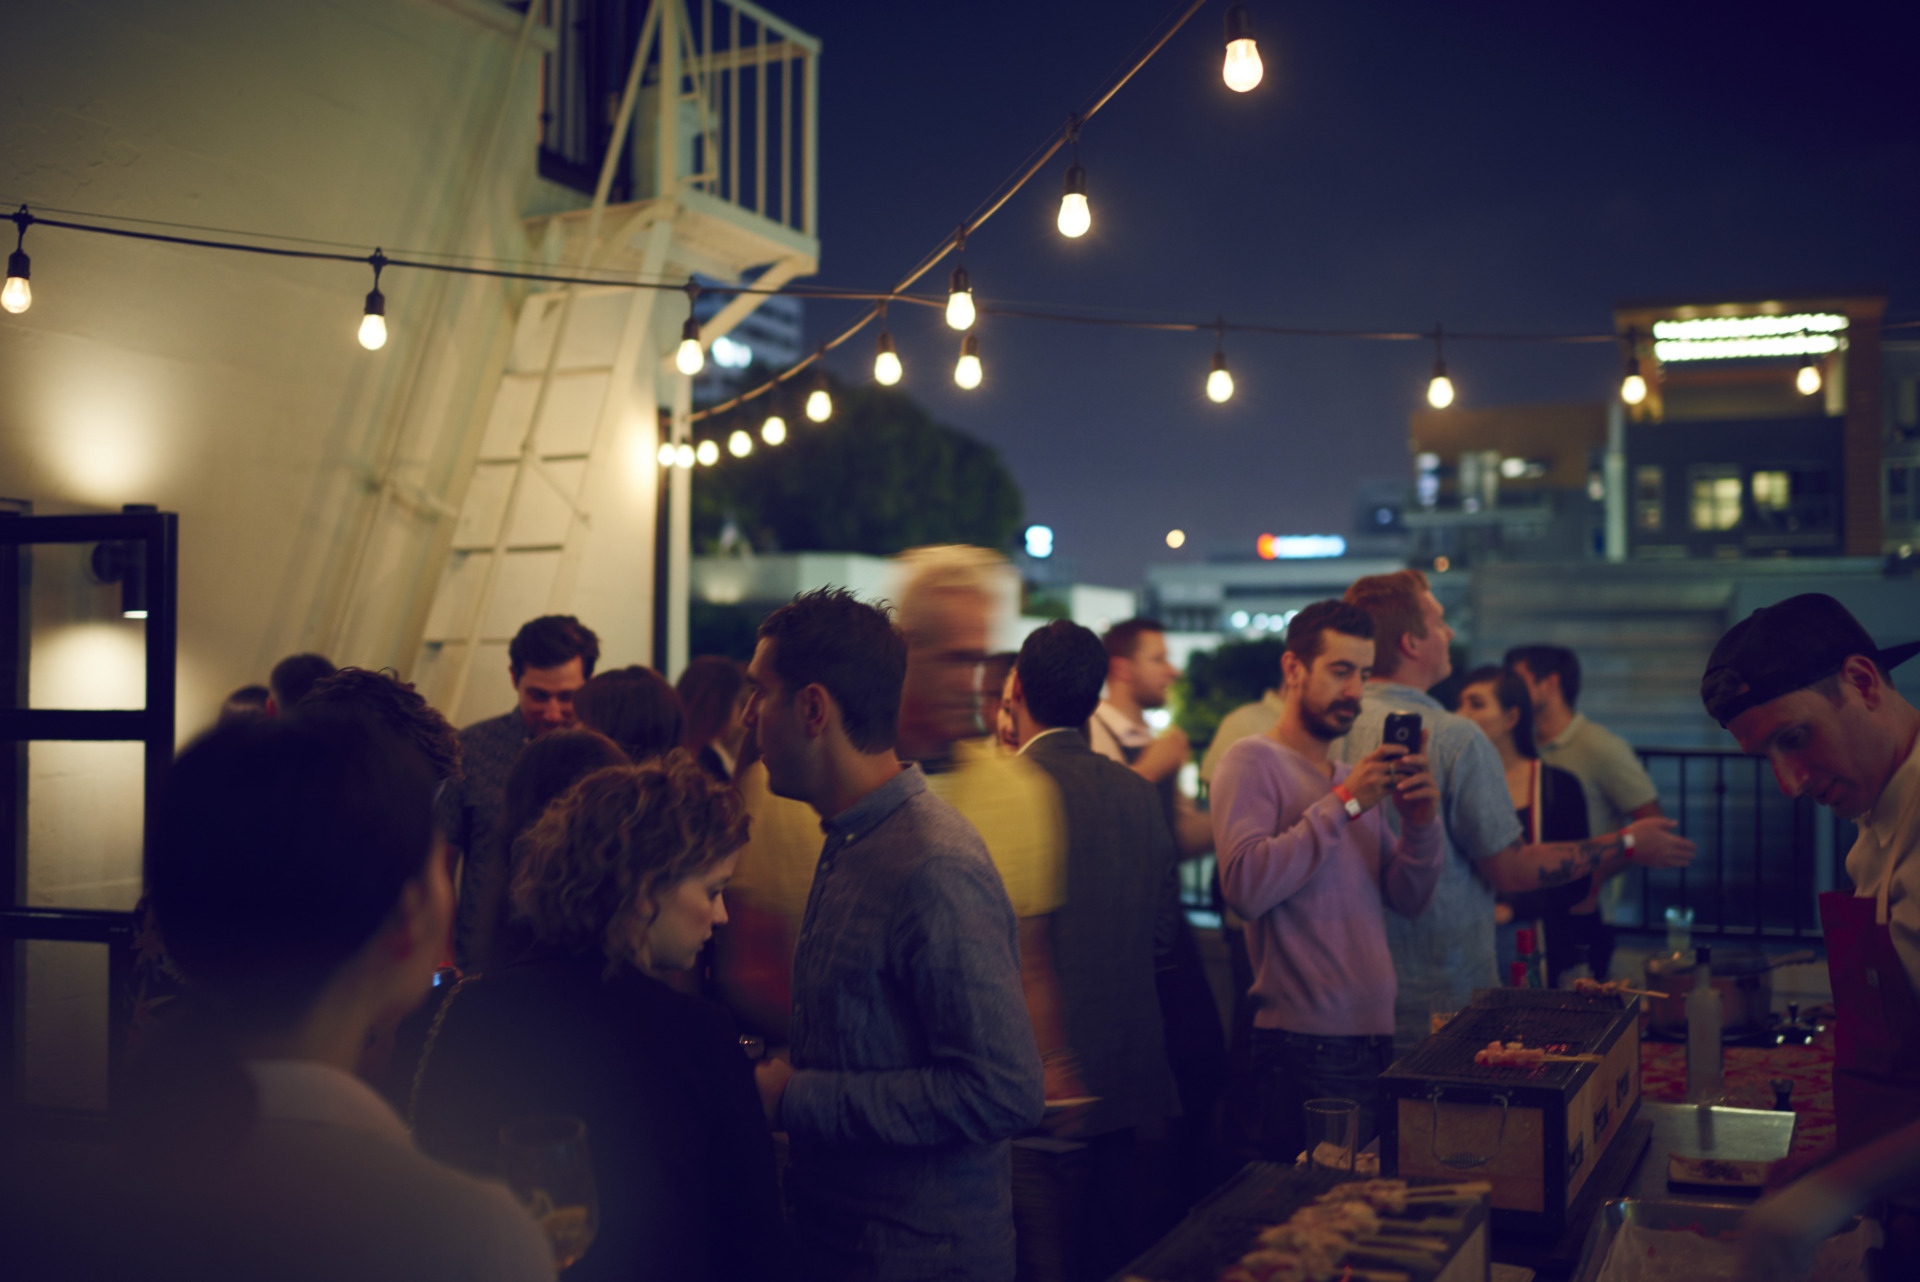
pixel 819 405
pixel 739 444
pixel 690 360
pixel 1176 538
pixel 373 325
pixel 1075 216
pixel 774 430
pixel 683 455
pixel 1807 380
pixel 1440 390
pixel 1242 70
pixel 666 454
pixel 967 372
pixel 17 296
pixel 886 364
pixel 1633 388
pixel 708 453
pixel 960 314
pixel 1219 382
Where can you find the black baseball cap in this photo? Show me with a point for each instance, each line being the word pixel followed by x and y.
pixel 1786 647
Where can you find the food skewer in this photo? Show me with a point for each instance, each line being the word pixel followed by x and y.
pixel 1611 988
pixel 1515 1055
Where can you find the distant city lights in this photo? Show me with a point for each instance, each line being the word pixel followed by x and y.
pixel 1711 327
pixel 731 354
pixel 1176 538
pixel 1263 622
pixel 1441 565
pixel 1039 542
pixel 1299 547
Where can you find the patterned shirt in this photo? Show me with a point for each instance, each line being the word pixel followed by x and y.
pixel 469 811
pixel 915 1062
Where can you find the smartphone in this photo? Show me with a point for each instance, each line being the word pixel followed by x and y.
pixel 1402 728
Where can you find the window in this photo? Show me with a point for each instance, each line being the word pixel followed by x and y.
pixel 1716 499
pixel 1648 481
pixel 1796 502
pixel 1771 491
pixel 1903 493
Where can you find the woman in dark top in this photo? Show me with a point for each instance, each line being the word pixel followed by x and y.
pixel 619 879
pixel 713 692
pixel 1548 801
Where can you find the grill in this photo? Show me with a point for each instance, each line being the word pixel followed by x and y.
pixel 1450 1052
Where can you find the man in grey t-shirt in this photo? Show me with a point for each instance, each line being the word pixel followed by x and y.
pixel 1448 951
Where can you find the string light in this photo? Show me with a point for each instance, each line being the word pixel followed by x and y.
pixel 1242 70
pixel 1808 379
pixel 690 359
pixel 1075 216
pixel 820 400
pixel 1440 389
pixel 1219 382
pixel 886 362
pixel 774 430
pixel 739 444
pixel 960 313
pixel 666 454
pixel 1633 387
pixel 708 453
pixel 967 372
pixel 17 295
pixel 373 324
pixel 1176 538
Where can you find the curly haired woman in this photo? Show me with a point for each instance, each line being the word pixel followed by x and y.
pixel 619 880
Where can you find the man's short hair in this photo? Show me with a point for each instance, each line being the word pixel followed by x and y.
pixel 1306 635
pixel 244 703
pixel 943 568
pixel 831 638
pixel 1122 640
pixel 397 708
pixel 1545 661
pixel 1062 667
pixel 552 640
pixel 296 674
pixel 1394 602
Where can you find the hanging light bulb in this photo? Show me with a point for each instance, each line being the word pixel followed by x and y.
pixel 708 452
pixel 1808 379
pixel 17 295
pixel 683 456
pixel 967 372
pixel 1633 388
pixel 1075 217
pixel 690 359
pixel 1440 388
pixel 666 454
pixel 774 430
pixel 1242 70
pixel 820 400
pixel 960 313
pixel 1219 382
pixel 886 362
pixel 739 444
pixel 373 324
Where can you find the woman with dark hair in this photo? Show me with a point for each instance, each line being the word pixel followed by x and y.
pixel 713 691
pixel 634 707
pixel 294 870
pixel 1548 800
pixel 620 880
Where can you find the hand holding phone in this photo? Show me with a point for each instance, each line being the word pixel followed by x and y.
pixel 1402 728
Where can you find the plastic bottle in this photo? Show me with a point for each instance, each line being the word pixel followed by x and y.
pixel 1706 1082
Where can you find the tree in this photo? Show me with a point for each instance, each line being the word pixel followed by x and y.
pixel 878 477
pixel 1218 681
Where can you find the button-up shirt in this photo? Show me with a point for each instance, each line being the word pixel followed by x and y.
pixel 915 1063
pixel 468 813
pixel 1889 850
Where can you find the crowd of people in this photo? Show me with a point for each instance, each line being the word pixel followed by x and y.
pixel 828 949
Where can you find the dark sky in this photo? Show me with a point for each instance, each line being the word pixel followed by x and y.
pixel 1499 166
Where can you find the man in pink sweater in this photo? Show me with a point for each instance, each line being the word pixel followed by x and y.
pixel 1307 858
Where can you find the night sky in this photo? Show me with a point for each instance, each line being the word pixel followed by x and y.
pixel 1497 166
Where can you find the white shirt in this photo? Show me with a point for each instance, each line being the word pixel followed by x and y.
pixel 1111 730
pixel 1886 851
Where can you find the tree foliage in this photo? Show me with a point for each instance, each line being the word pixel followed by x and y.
pixel 878 477
pixel 1218 681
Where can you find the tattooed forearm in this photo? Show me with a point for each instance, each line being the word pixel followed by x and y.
pixel 1577 859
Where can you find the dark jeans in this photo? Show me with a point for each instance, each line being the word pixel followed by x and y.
pixel 1291 1068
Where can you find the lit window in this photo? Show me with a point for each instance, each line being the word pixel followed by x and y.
pixel 1772 491
pixel 1648 513
pixel 1716 502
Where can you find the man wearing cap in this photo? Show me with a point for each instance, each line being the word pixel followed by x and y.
pixel 1802 684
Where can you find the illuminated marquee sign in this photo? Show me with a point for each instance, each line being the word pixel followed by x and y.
pixel 1721 338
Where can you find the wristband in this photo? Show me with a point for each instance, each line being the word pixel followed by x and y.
pixel 1626 840
pixel 1348 801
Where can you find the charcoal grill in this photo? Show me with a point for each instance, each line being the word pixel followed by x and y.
pixel 1535 1133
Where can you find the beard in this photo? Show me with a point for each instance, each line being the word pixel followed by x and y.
pixel 1330 722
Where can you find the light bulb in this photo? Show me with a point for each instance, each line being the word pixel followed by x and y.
pixel 739 444
pixel 708 453
pixel 774 430
pixel 1242 69
pixel 886 363
pixel 1633 388
pixel 373 325
pixel 1219 382
pixel 1807 380
pixel 819 405
pixel 666 454
pixel 967 372
pixel 683 455
pixel 1440 390
pixel 960 314
pixel 1176 538
pixel 17 295
pixel 690 360
pixel 1075 216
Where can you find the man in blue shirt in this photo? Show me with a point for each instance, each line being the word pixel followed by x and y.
pixel 913 1062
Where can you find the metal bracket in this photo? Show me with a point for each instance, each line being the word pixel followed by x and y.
pixel 1467 1161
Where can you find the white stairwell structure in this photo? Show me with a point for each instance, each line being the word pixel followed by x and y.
pixel 561 512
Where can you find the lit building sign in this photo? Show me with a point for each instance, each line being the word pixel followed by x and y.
pixel 1718 338
pixel 1293 547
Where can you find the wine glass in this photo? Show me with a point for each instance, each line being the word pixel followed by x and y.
pixel 551 1172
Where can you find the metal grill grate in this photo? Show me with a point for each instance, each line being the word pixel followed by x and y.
pixel 1560 1031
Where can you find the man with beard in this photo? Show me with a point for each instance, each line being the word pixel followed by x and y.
pixel 1308 861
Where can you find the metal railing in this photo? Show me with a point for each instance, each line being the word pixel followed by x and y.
pixel 746 90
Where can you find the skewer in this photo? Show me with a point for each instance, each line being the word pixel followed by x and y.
pixel 1612 987
pixel 1462 1192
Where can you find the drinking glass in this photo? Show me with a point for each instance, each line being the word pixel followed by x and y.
pixel 551 1172
pixel 1679 930
pixel 1333 1134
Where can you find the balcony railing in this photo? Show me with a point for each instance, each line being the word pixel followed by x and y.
pixel 746 90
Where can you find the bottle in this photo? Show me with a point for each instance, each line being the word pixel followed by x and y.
pixel 1516 974
pixel 1535 965
pixel 1706 1082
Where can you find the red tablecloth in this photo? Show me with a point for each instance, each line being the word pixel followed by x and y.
pixel 1663 1076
